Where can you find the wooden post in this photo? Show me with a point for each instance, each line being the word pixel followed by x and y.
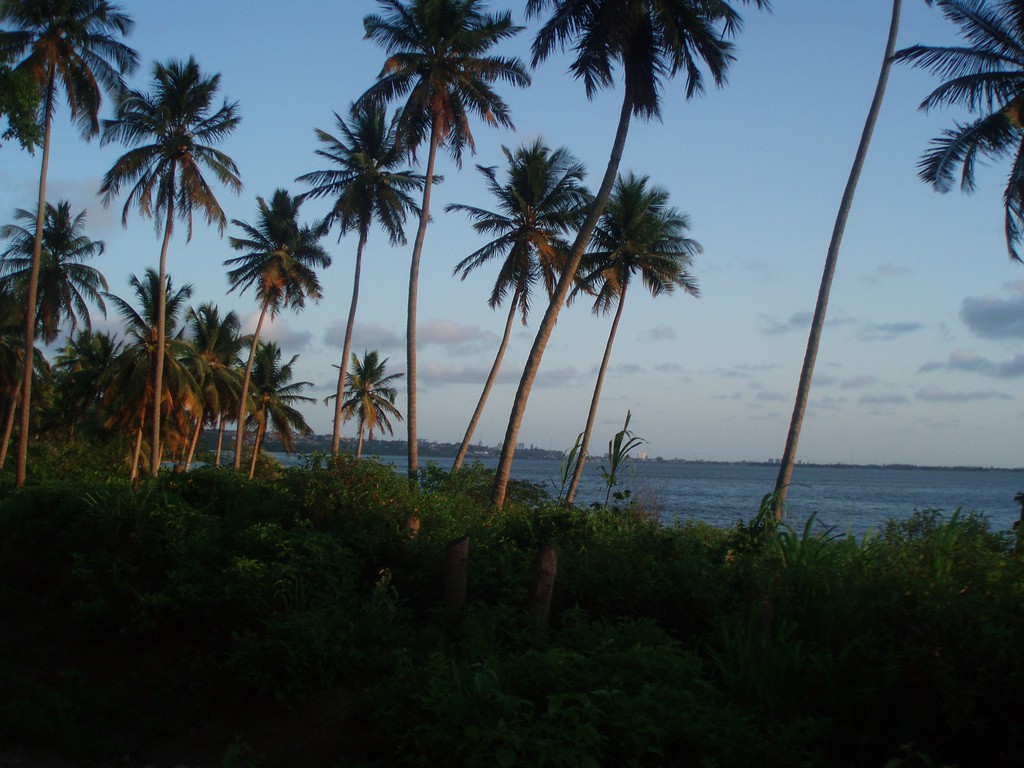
pixel 456 561
pixel 545 568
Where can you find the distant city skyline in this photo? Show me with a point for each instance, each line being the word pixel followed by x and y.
pixel 922 357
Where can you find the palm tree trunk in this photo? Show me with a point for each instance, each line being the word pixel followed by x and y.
pixel 359 443
pixel 347 347
pixel 256 445
pixel 547 324
pixel 137 449
pixel 220 440
pixel 244 396
pixel 817 323
pixel 161 334
pixel 410 323
pixel 193 443
pixel 33 287
pixel 592 415
pixel 461 455
pixel 9 422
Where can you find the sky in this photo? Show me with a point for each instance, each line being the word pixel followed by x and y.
pixel 922 356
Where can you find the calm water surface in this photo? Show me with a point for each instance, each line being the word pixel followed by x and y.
pixel 857 499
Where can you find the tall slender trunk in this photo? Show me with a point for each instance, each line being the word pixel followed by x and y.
pixel 161 342
pixel 193 443
pixel 547 324
pixel 347 346
pixel 359 443
pixel 592 415
pixel 12 411
pixel 137 448
pixel 256 445
pixel 410 322
pixel 817 323
pixel 495 367
pixel 220 440
pixel 33 286
pixel 244 396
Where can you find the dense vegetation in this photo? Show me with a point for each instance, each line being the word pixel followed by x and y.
pixel 199 608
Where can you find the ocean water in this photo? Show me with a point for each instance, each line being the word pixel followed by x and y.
pixel 854 499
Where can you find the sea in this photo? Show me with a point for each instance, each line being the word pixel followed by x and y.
pixel 840 499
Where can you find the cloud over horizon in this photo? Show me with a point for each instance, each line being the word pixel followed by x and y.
pixel 969 361
pixel 992 317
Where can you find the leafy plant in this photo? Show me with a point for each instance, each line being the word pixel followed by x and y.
pixel 618 456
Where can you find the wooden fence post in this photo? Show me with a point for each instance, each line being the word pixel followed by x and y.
pixel 545 568
pixel 456 560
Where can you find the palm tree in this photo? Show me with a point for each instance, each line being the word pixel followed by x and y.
pixel 647 40
pixel 438 64
pixel 279 262
pixel 539 203
pixel 171 131
pixel 12 352
pixel 217 341
pixel 132 385
pixel 274 397
pixel 803 390
pixel 82 369
pixel 639 234
pixel 69 45
pixel 370 396
pixel 19 106
pixel 369 183
pixel 63 281
pixel 984 77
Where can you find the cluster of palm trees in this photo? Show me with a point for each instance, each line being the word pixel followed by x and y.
pixel 440 71
pixel 108 384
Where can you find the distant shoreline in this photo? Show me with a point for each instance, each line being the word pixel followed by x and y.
pixel 433 450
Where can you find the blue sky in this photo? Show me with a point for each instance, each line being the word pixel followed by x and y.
pixel 921 360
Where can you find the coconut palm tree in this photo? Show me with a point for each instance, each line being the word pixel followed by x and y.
pixel 82 370
pixel 132 387
pixel 274 397
pixel 63 282
pixel 370 396
pixel 369 183
pixel 639 235
pixel 438 63
pixel 171 131
pixel 648 41
pixel 539 203
pixel 279 262
pixel 71 46
pixel 984 77
pixel 12 352
pixel 19 106
pixel 803 390
pixel 218 343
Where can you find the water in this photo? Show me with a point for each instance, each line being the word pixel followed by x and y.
pixel 857 499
